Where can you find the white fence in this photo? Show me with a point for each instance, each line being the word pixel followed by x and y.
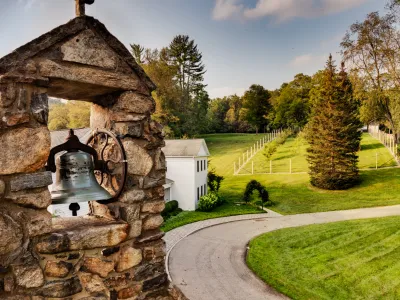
pixel 249 154
pixel 386 139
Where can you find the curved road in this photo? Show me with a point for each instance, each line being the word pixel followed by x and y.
pixel 210 264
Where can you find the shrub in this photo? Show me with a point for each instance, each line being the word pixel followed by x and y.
pixel 209 202
pixel 170 206
pixel 214 181
pixel 171 209
pixel 255 185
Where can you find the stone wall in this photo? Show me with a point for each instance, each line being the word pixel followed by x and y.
pixel 118 251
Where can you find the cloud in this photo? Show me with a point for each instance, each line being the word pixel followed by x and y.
pixel 306 61
pixel 282 10
pixel 27 4
pixel 227 9
pixel 301 60
pixel 225 91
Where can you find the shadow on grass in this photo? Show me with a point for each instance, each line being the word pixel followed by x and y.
pixel 372 146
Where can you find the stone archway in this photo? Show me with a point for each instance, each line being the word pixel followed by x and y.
pixel 118 252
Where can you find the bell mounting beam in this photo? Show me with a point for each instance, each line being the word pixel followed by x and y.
pixel 80 6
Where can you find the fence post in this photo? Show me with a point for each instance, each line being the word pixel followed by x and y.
pixel 252 167
pixel 239 162
pixel 376 160
pixel 270 167
pixel 290 166
pixel 247 155
pixel 243 157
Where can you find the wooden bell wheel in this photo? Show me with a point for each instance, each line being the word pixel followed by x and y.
pixel 111 151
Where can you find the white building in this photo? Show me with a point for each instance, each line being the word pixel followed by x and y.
pixel 186 171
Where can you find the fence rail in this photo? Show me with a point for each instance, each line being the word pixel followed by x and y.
pixel 252 151
pixel 246 165
pixel 386 139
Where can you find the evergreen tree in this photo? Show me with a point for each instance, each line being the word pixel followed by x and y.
pixel 334 132
pixel 187 59
pixel 137 52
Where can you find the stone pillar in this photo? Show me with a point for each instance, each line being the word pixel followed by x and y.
pixel 24 197
pixel 142 201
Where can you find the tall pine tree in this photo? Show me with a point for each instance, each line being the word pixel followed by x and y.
pixel 334 132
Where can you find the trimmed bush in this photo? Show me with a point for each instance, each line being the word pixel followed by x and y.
pixel 214 181
pixel 170 206
pixel 209 202
pixel 255 185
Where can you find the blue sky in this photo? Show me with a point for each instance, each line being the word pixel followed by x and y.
pixel 243 41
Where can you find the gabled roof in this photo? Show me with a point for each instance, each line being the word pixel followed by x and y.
pixel 64 32
pixel 186 148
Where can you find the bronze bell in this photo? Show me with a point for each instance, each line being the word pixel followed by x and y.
pixel 75 179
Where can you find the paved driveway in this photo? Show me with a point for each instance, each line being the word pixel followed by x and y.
pixel 210 264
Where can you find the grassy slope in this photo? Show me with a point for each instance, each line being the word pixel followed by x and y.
pixel 295 149
pixel 346 260
pixel 225 149
pixel 293 194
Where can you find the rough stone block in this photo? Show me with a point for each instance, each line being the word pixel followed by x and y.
pixel 12 237
pixel 139 161
pixel 28 275
pixel 14 118
pixel 87 48
pixel 131 129
pixel 38 221
pixel 128 258
pixel 155 282
pixel 154 207
pixel 152 222
pixel 150 235
pixel 30 181
pixel 81 234
pixel 58 269
pixel 61 288
pixel 20 144
pixel 92 283
pixel 97 266
pixel 2 188
pixel 160 163
pixel 40 107
pixel 135 103
pixel 36 198
pixel 154 250
pixel 133 195
pixel 130 292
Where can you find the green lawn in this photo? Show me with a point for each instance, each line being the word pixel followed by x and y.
pixel 345 260
pixel 292 193
pixel 228 209
pixel 295 150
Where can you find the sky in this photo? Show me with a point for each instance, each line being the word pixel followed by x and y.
pixel 243 42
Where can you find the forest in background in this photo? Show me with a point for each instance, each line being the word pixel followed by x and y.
pixel 370 51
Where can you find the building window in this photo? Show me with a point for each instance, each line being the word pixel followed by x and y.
pixel 198 166
pixel 201 165
pixel 202 190
pixel 205 165
pixel 205 189
pixel 198 194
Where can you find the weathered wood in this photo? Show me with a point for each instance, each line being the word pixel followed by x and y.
pixel 30 181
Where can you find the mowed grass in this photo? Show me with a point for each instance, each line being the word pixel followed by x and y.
pixel 224 148
pixel 292 193
pixel 347 260
pixel 294 151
